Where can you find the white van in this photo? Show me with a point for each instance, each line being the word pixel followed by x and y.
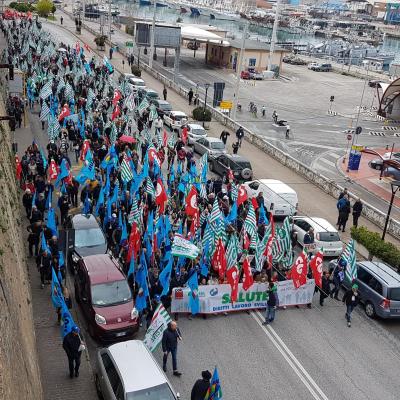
pixel 127 370
pixel 279 198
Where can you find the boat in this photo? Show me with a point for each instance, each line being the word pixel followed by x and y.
pixel 144 2
pixel 158 4
pixel 194 12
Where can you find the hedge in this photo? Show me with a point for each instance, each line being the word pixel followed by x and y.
pixel 22 7
pixel 385 251
pixel 199 114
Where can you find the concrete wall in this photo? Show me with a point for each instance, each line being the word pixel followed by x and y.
pixel 19 369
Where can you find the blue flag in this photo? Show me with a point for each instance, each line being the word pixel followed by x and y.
pixel 194 301
pixel 165 276
pixel 43 158
pixel 141 280
pixel 64 171
pixel 56 292
pixel 51 221
pixel 203 265
pixel 34 199
pixel 67 322
pixel 86 205
pixel 232 216
pixel 49 199
pixel 262 216
pixel 43 243
pixel 131 270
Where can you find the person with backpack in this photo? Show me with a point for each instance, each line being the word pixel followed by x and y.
pixel 337 277
pixel 351 298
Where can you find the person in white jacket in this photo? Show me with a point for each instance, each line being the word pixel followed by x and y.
pixel 158 123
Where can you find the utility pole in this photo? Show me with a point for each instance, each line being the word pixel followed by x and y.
pixel 152 38
pixel 238 71
pixel 273 36
pixel 109 20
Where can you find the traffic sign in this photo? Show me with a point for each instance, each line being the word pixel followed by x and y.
pixel 225 104
pixel 357 148
pixel 349 136
pixel 129 44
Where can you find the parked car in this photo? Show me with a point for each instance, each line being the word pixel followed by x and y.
pixel 175 119
pixel 162 107
pixel 136 84
pixel 257 76
pixel 213 146
pixel 103 293
pixel 128 371
pixel 322 67
pixel 195 132
pixel 379 287
pixel 149 93
pixel 240 166
pixel 326 236
pixel 245 75
pixel 312 65
pixel 279 198
pixel 374 83
pixel 84 238
pixel 124 77
pixel 376 164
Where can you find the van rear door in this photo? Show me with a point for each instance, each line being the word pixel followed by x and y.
pixel 285 204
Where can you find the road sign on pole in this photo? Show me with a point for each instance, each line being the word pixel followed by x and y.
pixel 129 44
pixel 226 104
pixel 349 136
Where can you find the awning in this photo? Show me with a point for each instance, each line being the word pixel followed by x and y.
pixel 201 35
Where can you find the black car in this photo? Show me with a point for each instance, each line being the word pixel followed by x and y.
pixel 85 238
pixel 162 107
pixel 240 167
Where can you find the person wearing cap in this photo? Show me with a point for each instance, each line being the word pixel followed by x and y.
pixel 201 386
pixel 351 298
pixel 71 345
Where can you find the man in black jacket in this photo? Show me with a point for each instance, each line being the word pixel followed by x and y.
pixel 201 386
pixel 351 298
pixel 357 209
pixel 170 345
pixel 71 344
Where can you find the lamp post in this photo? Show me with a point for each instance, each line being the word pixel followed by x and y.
pixel 206 86
pixel 395 187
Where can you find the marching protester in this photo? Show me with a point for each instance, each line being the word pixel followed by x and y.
pixel 351 298
pixel 271 303
pixel 170 345
pixel 201 386
pixel 72 345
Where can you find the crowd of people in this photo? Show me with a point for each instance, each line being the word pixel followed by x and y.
pixel 143 184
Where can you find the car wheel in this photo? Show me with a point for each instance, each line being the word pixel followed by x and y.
pixel 246 174
pixel 98 387
pixel 370 309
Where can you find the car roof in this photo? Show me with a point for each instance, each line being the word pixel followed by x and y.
pixel 162 101
pixel 128 75
pixel 277 186
pixel 136 79
pixel 196 126
pixel 82 221
pixel 179 113
pixel 236 157
pixel 383 272
pixel 102 268
pixel 136 365
pixel 213 139
pixel 319 224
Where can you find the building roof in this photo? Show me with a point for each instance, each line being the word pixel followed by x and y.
pixel 254 45
pixel 191 32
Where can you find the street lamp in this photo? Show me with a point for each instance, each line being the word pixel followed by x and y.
pixel 395 187
pixel 206 85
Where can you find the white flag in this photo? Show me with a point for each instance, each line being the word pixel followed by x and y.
pixel 157 327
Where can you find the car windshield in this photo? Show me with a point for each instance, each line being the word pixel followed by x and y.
pixel 217 145
pixel 394 294
pixel 111 293
pixel 198 132
pixel 329 237
pixel 165 107
pixel 89 238
pixel 241 165
pixel 160 392
pixel 179 117
pixel 153 95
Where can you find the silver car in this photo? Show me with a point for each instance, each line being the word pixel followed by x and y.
pixel 379 287
pixel 128 371
pixel 213 146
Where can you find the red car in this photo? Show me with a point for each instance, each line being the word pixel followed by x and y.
pixel 245 75
pixel 106 300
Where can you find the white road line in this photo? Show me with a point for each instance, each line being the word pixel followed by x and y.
pixel 294 363
pixel 325 161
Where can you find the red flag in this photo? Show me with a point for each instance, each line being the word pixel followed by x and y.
pixel 248 276
pixel 165 138
pixel 85 148
pixel 242 195
pixel 246 241
pixel 268 247
pixel 116 97
pixel 116 113
pixel 153 156
pixel 219 259
pixel 316 267
pixel 161 195
pixel 65 112
pixel 53 170
pixel 77 47
pixel 86 46
pixel 191 202
pixel 255 204
pixel 184 134
pixel 232 276
pixel 299 270
pixel 134 243
pixel 18 167
pixel 230 175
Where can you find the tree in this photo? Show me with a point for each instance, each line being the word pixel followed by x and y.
pixel 44 8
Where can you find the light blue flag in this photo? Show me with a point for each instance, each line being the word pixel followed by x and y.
pixel 51 221
pixel 56 292
pixel 141 280
pixel 165 276
pixel 43 243
pixel 43 158
pixel 194 301
pixel 131 270
pixel 67 322
pixel 64 171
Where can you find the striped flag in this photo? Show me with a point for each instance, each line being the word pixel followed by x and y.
pixel 69 92
pixel 150 188
pixel 134 215
pixel 130 101
pixel 349 255
pixel 214 392
pixel 143 106
pixel 53 129
pixel 60 86
pixel 153 115
pixel 126 172
pixel 46 90
pixel 232 251
pixel 89 101
pixel 282 243
pixel 234 192
pixel 250 223
pixel 44 112
pixel 158 325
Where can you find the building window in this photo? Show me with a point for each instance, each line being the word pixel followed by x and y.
pixel 252 62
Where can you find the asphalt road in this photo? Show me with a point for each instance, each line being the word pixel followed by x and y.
pixel 306 354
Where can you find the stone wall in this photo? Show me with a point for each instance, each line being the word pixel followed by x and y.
pixel 19 369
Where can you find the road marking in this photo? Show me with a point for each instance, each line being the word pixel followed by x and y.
pixel 290 358
pixel 319 146
pixel 325 161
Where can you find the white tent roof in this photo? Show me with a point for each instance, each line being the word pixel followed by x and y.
pixel 201 35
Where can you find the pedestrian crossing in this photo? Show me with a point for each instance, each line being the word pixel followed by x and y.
pixel 374 133
pixel 326 163
pixel 390 128
pixel 333 113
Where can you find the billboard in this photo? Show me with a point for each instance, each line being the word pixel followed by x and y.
pixel 165 36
